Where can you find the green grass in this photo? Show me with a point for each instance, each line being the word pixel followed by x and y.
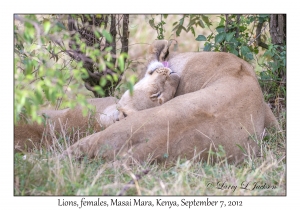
pixel 43 173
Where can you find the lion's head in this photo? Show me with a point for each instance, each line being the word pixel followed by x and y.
pixel 157 87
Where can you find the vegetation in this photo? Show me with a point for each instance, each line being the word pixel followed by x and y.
pixel 43 173
pixel 59 59
pixel 55 54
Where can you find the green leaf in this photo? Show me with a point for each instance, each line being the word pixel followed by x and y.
pixel 245 50
pixel 47 26
pixel 38 96
pixel 178 31
pixel 220 37
pixel 201 38
pixel 115 77
pixel 242 28
pixel 207 46
pixel 201 24
pixel 268 53
pixel 249 56
pixel 109 77
pixel 130 84
pixel 241 148
pixel 220 29
pixel 30 31
pixel 193 31
pixel 151 22
pixel 206 20
pixel 165 16
pixel 191 23
pixel 234 51
pixel 229 36
pixel 222 21
pixel 181 21
pixel 121 61
pixel 97 34
pixel 103 81
pixel 107 36
pixel 110 65
pixel 84 73
pixel 60 25
pixel 99 90
pixel 264 75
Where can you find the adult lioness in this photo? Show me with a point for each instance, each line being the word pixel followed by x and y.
pixel 158 86
pixel 219 102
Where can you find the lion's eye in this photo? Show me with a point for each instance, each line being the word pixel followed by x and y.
pixel 156 95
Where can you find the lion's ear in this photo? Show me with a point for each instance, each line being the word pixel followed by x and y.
pixel 159 50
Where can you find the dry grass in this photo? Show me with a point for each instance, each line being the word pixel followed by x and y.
pixel 43 173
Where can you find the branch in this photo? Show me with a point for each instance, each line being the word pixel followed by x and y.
pixel 71 24
pixel 259 31
pixel 60 99
pixel 223 48
pixel 89 87
pixel 113 32
pixel 227 22
pixel 124 39
pixel 237 31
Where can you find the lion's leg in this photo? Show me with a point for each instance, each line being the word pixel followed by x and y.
pixel 82 147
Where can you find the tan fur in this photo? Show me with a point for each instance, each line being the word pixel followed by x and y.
pixel 218 102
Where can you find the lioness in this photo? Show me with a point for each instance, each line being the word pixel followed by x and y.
pixel 157 87
pixel 218 102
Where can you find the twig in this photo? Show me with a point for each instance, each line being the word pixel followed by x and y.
pixel 259 31
pixel 227 21
pixel 60 100
pixel 237 31
pixel 113 32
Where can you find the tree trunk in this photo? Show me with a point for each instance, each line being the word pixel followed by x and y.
pixel 278 35
pixel 278 29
